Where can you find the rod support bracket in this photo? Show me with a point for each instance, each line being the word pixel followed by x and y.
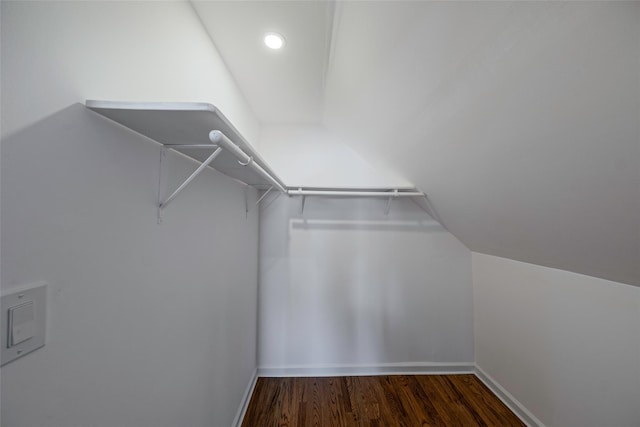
pixel 246 202
pixel 163 155
pixel 247 163
pixel 302 200
pixel 391 197
pixel 163 204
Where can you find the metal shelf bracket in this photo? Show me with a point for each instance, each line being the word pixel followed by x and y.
pixel 263 197
pixel 163 154
pixel 388 207
pixel 302 200
pixel 164 204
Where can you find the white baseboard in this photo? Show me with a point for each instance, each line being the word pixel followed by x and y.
pixel 507 398
pixel 244 404
pixel 432 368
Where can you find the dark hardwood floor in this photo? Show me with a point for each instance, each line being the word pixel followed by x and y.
pixel 396 400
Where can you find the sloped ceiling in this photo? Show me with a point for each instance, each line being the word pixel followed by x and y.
pixel 520 120
pixel 285 86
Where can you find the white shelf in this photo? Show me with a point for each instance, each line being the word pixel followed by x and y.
pixel 182 125
pixel 187 123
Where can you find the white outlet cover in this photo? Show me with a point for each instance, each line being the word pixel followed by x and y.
pixel 16 297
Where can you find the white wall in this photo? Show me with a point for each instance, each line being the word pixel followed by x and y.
pixel 55 53
pixel 519 119
pixel 311 156
pixel 566 346
pixel 345 285
pixel 149 325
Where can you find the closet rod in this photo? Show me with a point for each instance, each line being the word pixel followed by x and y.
pixel 352 193
pixel 221 139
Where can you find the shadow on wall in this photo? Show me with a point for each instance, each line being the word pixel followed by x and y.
pixel 339 213
pixel 326 224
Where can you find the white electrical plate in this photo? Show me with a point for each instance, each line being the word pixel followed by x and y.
pixel 23 320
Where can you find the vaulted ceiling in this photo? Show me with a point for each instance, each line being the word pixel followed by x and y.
pixel 520 120
pixel 285 86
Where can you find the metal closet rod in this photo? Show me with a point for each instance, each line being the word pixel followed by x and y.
pixel 355 193
pixel 221 139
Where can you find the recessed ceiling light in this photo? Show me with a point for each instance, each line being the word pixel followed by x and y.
pixel 273 40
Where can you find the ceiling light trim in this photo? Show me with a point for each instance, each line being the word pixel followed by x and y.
pixel 274 41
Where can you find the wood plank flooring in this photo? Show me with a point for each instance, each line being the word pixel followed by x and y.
pixel 380 401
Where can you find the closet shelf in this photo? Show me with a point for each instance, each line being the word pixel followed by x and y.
pixel 185 127
pixel 200 131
